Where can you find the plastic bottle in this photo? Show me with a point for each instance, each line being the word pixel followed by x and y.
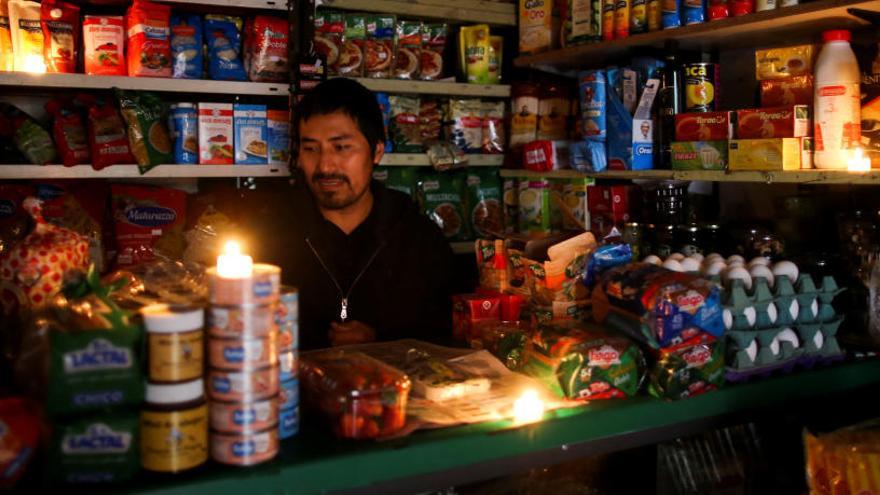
pixel 836 102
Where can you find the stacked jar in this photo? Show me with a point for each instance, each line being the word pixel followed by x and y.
pixel 287 319
pixel 243 372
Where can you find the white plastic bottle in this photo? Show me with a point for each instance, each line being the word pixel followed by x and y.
pixel 836 110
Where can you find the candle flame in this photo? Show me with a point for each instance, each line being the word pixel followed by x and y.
pixel 859 162
pixel 34 64
pixel 232 247
pixel 528 408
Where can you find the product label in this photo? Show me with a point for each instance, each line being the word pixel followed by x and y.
pixel 837 124
pixel 176 357
pixel 174 441
pixel 100 354
pixel 99 438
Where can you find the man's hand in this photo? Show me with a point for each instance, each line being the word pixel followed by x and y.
pixel 352 332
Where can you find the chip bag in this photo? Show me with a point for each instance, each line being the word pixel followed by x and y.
pixel 7 57
pixel 149 39
pixel 223 36
pixel 103 45
pixel 267 52
pixel 149 223
pixel 69 132
pixel 61 32
pixel 27 35
pixel 691 368
pixel 145 114
pixel 186 47
pixel 107 139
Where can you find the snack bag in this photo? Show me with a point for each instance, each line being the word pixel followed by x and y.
pixel 475 46
pixel 223 37
pixel 7 57
pixel 493 127
pixel 441 197
pixel 149 223
pixel 496 56
pixel 405 131
pixel 430 119
pixel 107 139
pixel 145 114
pixel 103 42
pixel 69 132
pixel 29 137
pixel 268 52
pixel 484 202
pixel 379 52
pixel 186 47
pixel 19 439
pixel 434 38
pixel 329 32
pixel 409 50
pixel 688 369
pixel 466 125
pixel 27 36
pixel 61 31
pixel 149 39
pixel 351 56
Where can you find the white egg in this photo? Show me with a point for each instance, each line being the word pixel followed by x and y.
pixel 737 273
pixel 774 346
pixel 690 265
pixel 653 259
pixel 676 257
pixel 751 316
pixel 735 257
pixel 727 317
pixel 819 340
pixel 735 263
pixel 757 271
pixel 786 268
pixel 789 336
pixel 697 256
pixel 712 256
pixel 715 269
pixel 814 308
pixel 760 260
pixel 794 310
pixel 674 265
pixel 772 313
pixel 752 350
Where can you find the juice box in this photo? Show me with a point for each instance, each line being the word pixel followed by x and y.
pixel 279 137
pixel 216 134
pixel 777 122
pixel 703 126
pixel 765 154
pixel 251 134
pixel 699 155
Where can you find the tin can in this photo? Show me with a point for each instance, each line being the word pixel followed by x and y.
pixel 288 425
pixel 701 87
pixel 655 15
pixel 688 240
pixel 241 417
pixel 288 397
pixel 184 124
pixel 262 287
pixel 608 19
pixel 236 386
pixel 664 240
pixel 621 18
pixel 243 354
pixel 288 305
pixel 244 449
pixel 638 18
pixel 243 321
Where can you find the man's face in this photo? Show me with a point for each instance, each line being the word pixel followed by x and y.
pixel 336 159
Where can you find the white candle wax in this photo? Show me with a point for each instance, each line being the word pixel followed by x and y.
pixel 233 264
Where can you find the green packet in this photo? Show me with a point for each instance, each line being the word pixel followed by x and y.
pixel 688 370
pixel 145 116
pixel 98 448
pixel 403 179
pixel 442 199
pixel 699 155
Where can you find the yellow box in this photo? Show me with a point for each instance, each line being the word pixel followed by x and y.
pixel 764 154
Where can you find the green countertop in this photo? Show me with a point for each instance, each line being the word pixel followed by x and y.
pixel 314 462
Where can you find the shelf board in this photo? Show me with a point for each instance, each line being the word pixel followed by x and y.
pixel 311 462
pixel 132 172
pixel 421 160
pixel 238 4
pixel 83 81
pixel 497 13
pixel 819 177
pixel 464 247
pixel 436 87
pixel 759 29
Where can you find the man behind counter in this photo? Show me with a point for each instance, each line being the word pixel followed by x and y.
pixel 368 265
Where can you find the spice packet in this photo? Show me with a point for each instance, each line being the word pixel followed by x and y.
pixel 186 47
pixel 145 114
pixel 69 132
pixel 496 55
pixel 61 31
pixel 430 119
pixel 107 140
pixel 475 46
pixel 441 196
pixel 409 48
pixel 484 202
pixel 434 38
pixel 351 57
pixel 405 131
pixel 379 53
pixel 103 42
pixel 329 33
pixel 223 35
pixel 149 39
pixel 27 36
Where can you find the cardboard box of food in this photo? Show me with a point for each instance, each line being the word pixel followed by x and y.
pixel 807 152
pixel 704 126
pixel 251 134
pixel 765 154
pixel 777 122
pixel 781 63
pixel 216 134
pixel 796 90
pixel 699 155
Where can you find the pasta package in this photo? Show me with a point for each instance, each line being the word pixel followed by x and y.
pixel 475 46
pixel 149 221
pixel 103 44
pixel 27 35
pixel 434 37
pixel 186 47
pixel 61 31
pixel 223 35
pixel 7 57
pixel 149 39
pixel 267 54
pixel 409 50
pixel 145 114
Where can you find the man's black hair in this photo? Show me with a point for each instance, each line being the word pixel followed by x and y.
pixel 349 97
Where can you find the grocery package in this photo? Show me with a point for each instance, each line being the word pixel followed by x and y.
pixel 608 20
pixel 699 155
pixel 584 361
pixel 223 36
pixel 403 179
pixel 409 50
pixel 149 39
pixel 534 207
pixel 404 129
pixel 81 352
pixel 496 56
pixel 29 137
pixel 870 104
pixel 351 54
pixel 469 311
pixel 630 135
pixel 27 35
pixel 103 45
pixel 379 51
pixel 704 126
pixel 718 9
pixel 576 214
pixel 61 32
pixel 492 265
pixel 621 18
pixel 783 63
pixel 524 114
pixel 671 14
pixel 693 12
pixel 593 113
pixel 484 191
pixel 778 122
pixel 266 56
pixel 145 115
pixel 442 198
pixel 688 369
pixel 216 134
pixel 108 142
pixel 742 7
pixel 610 206
pixel 360 396
pixel 466 124
pixel 251 146
pixel 149 223
pixel 384 102
pixel 183 124
pixel 431 64
pixel 474 45
pixel 7 57
pixel 430 119
pixel 797 90
pixel 560 278
pixel 329 33
pixel 69 132
pixel 186 47
pixel 492 116
pixel 279 137
pixel 439 380
pixel 543 155
pixel 605 257
pixel 19 440
pixel 765 154
pixel 581 21
pixel 79 207
pixel 844 460
pixel 536 26
pixel 702 82
pixel 98 448
pixel 837 102
pixel 554 110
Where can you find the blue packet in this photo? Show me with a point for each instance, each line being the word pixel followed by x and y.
pixel 604 258
pixel 647 68
pixel 223 35
pixel 288 398
pixel 694 12
pixel 251 134
pixel 592 87
pixel 671 14
pixel 385 105
pixel 587 156
pixel 288 423
pixel 186 47
pixel 620 124
pixel 184 127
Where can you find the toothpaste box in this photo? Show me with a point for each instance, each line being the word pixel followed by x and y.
pixel 279 137
pixel 765 154
pixel 251 134
pixel 699 155
pixel 704 126
pixel 216 134
pixel 778 122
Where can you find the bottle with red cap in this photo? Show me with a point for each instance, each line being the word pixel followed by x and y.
pixel 836 111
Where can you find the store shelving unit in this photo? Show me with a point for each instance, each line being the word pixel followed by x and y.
pixel 496 13
pixel 436 88
pixel 816 177
pixel 132 172
pixel 421 160
pixel 237 4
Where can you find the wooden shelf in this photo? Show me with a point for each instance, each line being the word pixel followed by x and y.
pixel 753 30
pixel 497 13
pixel 132 172
pixel 828 177
pixel 238 4
pixel 464 247
pixel 436 87
pixel 83 81
pixel 421 160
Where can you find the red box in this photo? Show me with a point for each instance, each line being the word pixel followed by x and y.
pixel 511 304
pixel 610 206
pixel 796 90
pixel 704 126
pixel 468 309
pixel 770 123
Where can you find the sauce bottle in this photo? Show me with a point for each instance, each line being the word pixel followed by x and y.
pixel 669 103
pixel 837 127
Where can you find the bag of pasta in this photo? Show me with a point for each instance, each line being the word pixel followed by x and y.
pixel 149 223
pixel 145 114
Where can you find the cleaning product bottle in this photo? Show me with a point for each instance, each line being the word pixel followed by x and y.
pixel 837 102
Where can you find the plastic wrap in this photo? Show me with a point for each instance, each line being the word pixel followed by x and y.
pixel 844 461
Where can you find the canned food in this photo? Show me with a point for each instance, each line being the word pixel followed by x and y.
pixel 288 336
pixel 262 287
pixel 288 305
pixel 242 417
pixel 244 449
pixel 638 17
pixel 289 395
pixel 243 354
pixel 608 19
pixel 289 423
pixel 247 321
pixel 236 386
pixel 701 87
pixel 664 240
pixel 288 365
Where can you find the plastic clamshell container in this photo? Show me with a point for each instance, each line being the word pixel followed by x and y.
pixel 360 396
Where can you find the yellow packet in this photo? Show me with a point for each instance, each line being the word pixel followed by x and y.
pixel 6 55
pixel 496 56
pixel 474 41
pixel 782 63
pixel 27 36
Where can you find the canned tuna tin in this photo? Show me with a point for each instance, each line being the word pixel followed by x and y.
pixel 701 87
pixel 288 425
pixel 235 417
pixel 246 321
pixel 244 450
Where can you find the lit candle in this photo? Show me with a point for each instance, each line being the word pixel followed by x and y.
pixel 859 162
pixel 34 64
pixel 529 408
pixel 233 264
